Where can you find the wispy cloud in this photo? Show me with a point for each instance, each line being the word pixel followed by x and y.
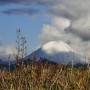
pixel 28 11
pixel 23 10
pixel 14 1
pixel 28 1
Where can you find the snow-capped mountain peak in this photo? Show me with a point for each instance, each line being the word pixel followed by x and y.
pixel 58 52
pixel 56 46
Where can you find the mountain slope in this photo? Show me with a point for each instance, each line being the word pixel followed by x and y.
pixel 58 52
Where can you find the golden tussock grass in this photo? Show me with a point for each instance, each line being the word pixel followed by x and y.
pixel 40 76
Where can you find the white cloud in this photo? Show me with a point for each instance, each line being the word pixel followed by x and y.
pixel 74 8
pixel 60 22
pixel 81 27
pixel 6 51
pixel 78 12
pixel 56 30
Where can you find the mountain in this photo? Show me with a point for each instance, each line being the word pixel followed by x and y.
pixel 58 52
pixel 54 52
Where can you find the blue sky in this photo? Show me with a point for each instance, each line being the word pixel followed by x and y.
pixel 31 25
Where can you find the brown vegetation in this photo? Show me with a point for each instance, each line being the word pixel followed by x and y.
pixel 45 77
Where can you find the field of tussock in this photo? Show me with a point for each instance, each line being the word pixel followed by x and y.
pixel 40 76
